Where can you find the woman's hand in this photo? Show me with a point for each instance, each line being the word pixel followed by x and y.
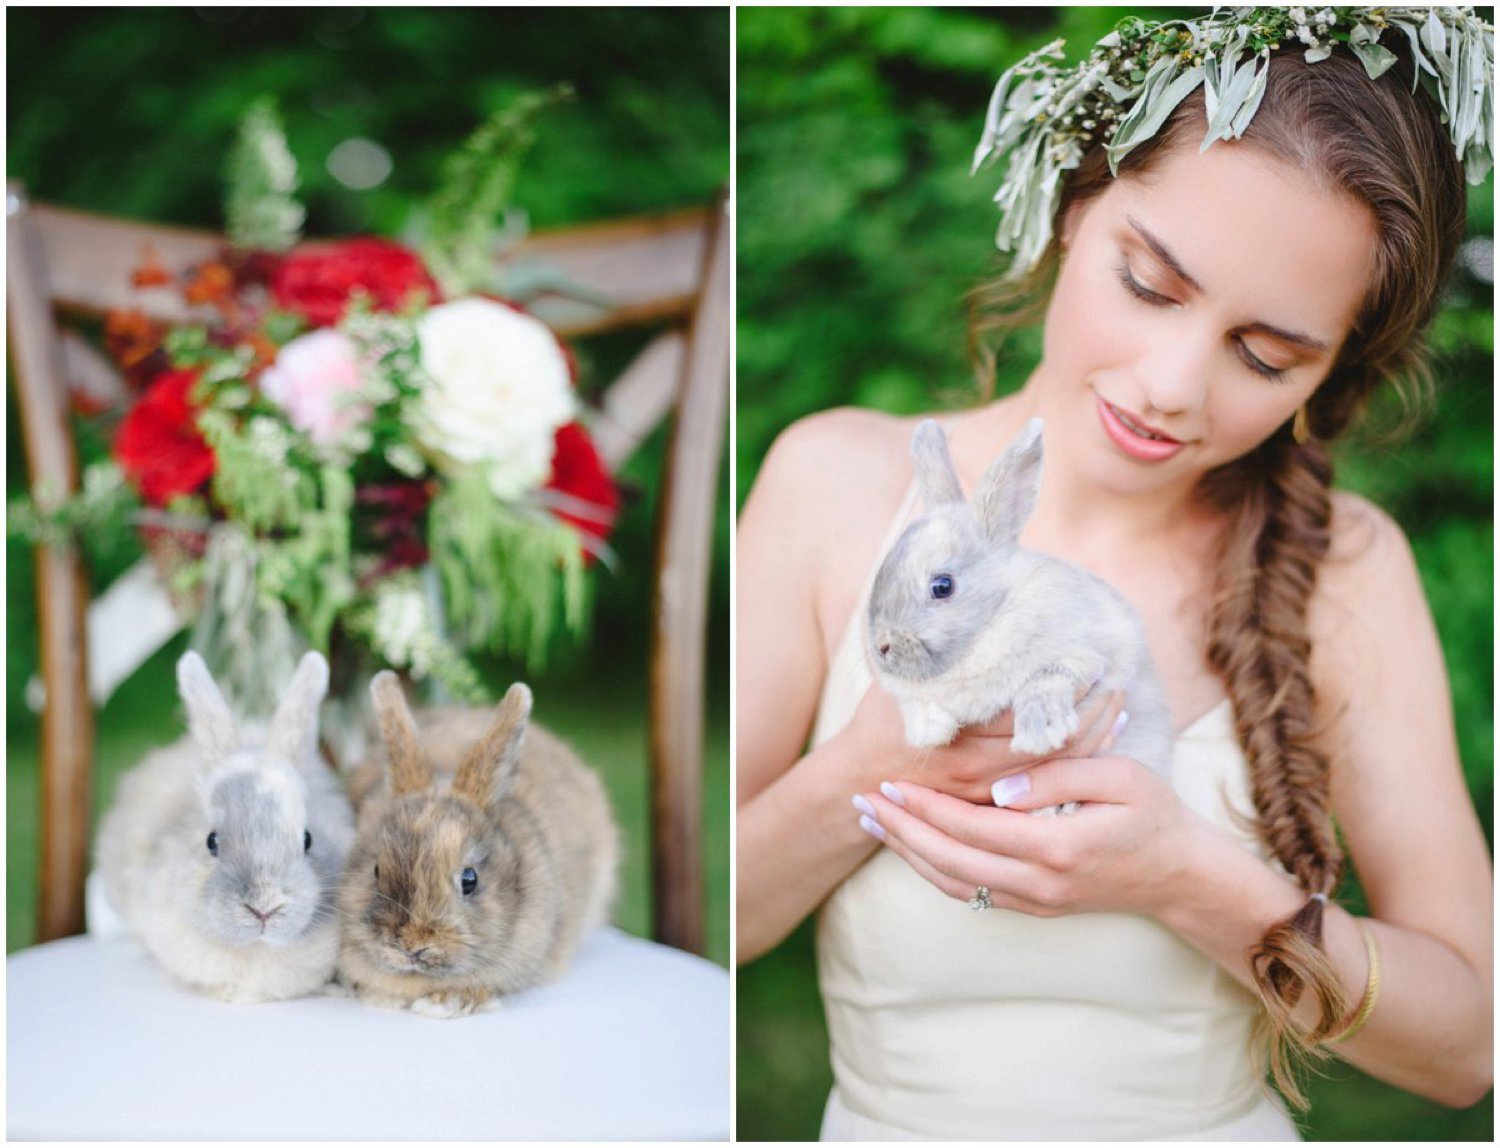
pixel 1124 849
pixel 978 757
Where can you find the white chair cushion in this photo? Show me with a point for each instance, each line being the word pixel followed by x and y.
pixel 632 1044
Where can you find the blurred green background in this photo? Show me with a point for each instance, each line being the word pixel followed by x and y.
pixel 131 112
pixel 859 231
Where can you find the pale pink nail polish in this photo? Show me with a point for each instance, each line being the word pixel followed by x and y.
pixel 872 827
pixel 892 794
pixel 862 803
pixel 1009 789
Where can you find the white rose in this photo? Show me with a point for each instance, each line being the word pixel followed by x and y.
pixel 497 391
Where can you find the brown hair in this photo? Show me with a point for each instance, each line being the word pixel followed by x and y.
pixel 1376 142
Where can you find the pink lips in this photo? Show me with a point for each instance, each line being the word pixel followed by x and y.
pixel 1145 449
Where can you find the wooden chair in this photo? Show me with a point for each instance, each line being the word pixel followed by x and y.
pixel 670 271
pixel 633 1042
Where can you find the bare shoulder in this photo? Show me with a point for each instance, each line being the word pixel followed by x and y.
pixel 1368 604
pixel 846 447
pixel 830 471
pixel 1369 556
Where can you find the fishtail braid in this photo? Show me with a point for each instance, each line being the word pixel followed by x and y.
pixel 1277 504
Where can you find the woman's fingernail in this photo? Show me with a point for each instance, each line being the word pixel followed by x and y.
pixel 862 803
pixel 872 827
pixel 1119 727
pixel 1008 789
pixel 892 794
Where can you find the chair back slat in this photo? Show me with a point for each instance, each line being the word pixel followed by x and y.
pixel 62 592
pixel 669 270
pixel 606 276
pixel 89 259
pixel 632 273
pixel 684 555
pixel 637 401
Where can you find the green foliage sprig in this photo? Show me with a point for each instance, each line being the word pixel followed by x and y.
pixel 262 211
pixel 255 479
pixel 310 569
pixel 476 187
pixel 397 622
pixel 530 566
pixel 48 519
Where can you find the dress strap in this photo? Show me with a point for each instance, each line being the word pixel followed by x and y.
pixel 848 674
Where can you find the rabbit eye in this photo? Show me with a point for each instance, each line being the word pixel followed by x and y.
pixel 213 843
pixel 942 586
pixel 307 841
pixel 377 872
pixel 469 881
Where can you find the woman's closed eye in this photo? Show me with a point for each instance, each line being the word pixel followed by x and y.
pixel 1156 299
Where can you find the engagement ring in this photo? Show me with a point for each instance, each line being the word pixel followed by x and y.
pixel 981 900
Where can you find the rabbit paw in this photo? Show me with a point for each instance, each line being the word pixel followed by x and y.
pixel 235 994
pixel 379 999
pixel 928 726
pixel 1044 721
pixel 447 1005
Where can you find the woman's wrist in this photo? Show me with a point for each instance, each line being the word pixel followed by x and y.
pixel 799 839
pixel 1226 897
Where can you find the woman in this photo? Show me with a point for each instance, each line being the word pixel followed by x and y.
pixel 1215 319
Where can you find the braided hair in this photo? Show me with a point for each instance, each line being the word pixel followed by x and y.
pixel 1385 147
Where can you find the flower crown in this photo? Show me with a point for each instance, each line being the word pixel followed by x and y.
pixel 1046 115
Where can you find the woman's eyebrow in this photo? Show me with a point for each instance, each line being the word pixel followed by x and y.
pixel 1159 249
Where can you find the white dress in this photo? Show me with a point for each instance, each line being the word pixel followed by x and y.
pixel 947 1024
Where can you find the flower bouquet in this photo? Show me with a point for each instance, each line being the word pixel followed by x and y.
pixel 355 446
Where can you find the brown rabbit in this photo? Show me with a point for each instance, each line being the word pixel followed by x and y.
pixel 483 853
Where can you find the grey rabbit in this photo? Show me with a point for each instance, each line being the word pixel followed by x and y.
pixel 223 851
pixel 964 623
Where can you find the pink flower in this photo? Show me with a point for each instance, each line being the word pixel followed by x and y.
pixel 315 379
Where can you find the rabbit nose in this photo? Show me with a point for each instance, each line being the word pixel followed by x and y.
pixel 885 648
pixel 267 915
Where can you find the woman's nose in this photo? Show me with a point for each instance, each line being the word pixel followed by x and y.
pixel 1175 374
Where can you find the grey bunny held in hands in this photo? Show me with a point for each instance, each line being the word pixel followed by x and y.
pixel 965 624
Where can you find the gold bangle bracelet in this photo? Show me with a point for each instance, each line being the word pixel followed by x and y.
pixel 1372 988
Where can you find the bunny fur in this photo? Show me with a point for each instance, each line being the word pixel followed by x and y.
pixel 256 921
pixel 457 791
pixel 1017 630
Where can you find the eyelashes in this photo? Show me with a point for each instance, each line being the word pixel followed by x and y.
pixel 1153 299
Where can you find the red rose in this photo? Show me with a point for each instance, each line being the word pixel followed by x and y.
pixel 158 445
pixel 579 474
pixel 317 284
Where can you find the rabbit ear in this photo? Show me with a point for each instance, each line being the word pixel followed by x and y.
pixel 1008 491
pixel 294 729
pixel 937 481
pixel 212 725
pixel 408 766
pixel 487 772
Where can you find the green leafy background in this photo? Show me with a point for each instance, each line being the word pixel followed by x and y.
pixel 132 112
pixel 859 231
